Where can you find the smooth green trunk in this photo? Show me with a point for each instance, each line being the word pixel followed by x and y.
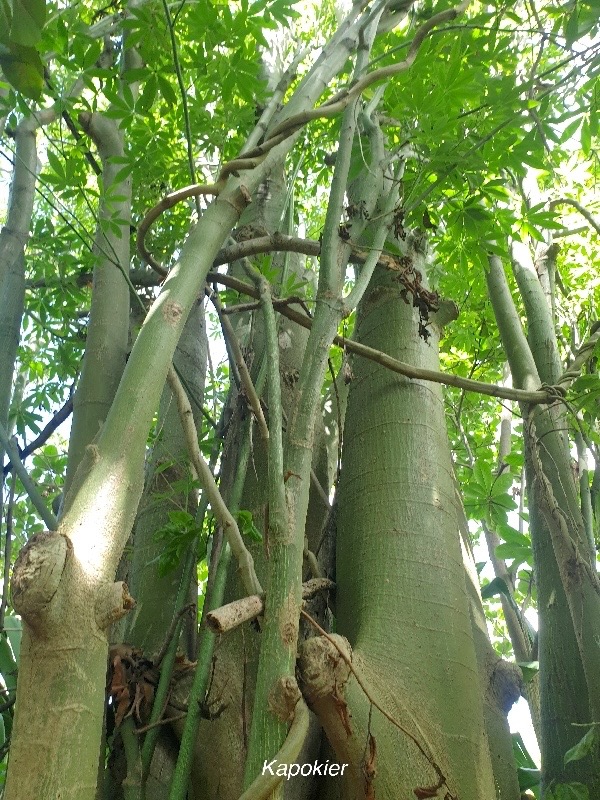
pixel 401 587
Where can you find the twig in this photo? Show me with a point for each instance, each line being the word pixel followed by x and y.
pixel 238 357
pixel 320 490
pixel 61 415
pixel 161 721
pixel 171 632
pixel 240 308
pixel 12 451
pixel 183 94
pixel 87 154
pixel 582 210
pixel 205 476
pixel 543 395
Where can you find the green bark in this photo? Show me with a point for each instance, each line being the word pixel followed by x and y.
pixel 154 593
pixel 565 703
pixel 236 658
pixel 401 589
pixel 13 238
pixel 108 330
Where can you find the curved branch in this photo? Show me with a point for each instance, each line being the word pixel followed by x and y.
pixel 581 358
pixel 263 786
pixel 339 101
pixel 195 190
pixel 582 210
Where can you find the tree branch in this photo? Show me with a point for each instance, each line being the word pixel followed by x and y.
pixel 238 358
pixel 582 210
pixel 205 476
pixel 504 392
pixel 289 127
pixel 61 415
pixel 36 498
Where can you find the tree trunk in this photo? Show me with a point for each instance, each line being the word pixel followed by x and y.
pixel 401 583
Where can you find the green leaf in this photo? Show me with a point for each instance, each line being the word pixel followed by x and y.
pixel 247 526
pixel 528 777
pixel 516 552
pixel 166 90
pixel 572 26
pixel 28 20
pixel 510 534
pixel 497 586
pixel 91 55
pixel 482 473
pixel 583 746
pixel 503 500
pixel 181 518
pixel 23 69
pixel 14 629
pixel 5 21
pixel 529 669
pixel 148 95
pixel 586 136
pixel 502 484
pixel 8 665
pixel 570 130
pixel 57 166
pixel 568 791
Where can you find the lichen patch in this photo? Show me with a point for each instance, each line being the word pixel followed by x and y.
pixel 172 312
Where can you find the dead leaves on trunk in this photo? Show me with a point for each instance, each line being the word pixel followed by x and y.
pixel 132 680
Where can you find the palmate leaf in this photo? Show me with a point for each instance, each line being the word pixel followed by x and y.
pixel 519 553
